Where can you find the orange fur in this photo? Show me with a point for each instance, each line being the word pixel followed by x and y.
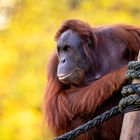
pixel 68 107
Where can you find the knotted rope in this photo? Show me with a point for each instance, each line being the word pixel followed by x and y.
pixel 130 102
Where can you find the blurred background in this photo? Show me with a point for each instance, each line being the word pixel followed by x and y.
pixel 27 29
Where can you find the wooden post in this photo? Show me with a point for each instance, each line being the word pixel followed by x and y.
pixel 131 122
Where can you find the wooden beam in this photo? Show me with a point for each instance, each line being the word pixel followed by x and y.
pixel 131 122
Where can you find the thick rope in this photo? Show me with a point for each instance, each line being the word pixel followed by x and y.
pixel 127 104
pixel 90 124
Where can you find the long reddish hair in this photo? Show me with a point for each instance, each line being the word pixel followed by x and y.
pixel 63 102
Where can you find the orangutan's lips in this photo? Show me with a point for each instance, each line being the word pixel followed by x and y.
pixel 62 77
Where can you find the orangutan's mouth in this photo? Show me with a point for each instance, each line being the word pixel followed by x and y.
pixel 62 77
pixel 74 77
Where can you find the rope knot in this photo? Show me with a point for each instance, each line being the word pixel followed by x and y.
pixel 131 93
